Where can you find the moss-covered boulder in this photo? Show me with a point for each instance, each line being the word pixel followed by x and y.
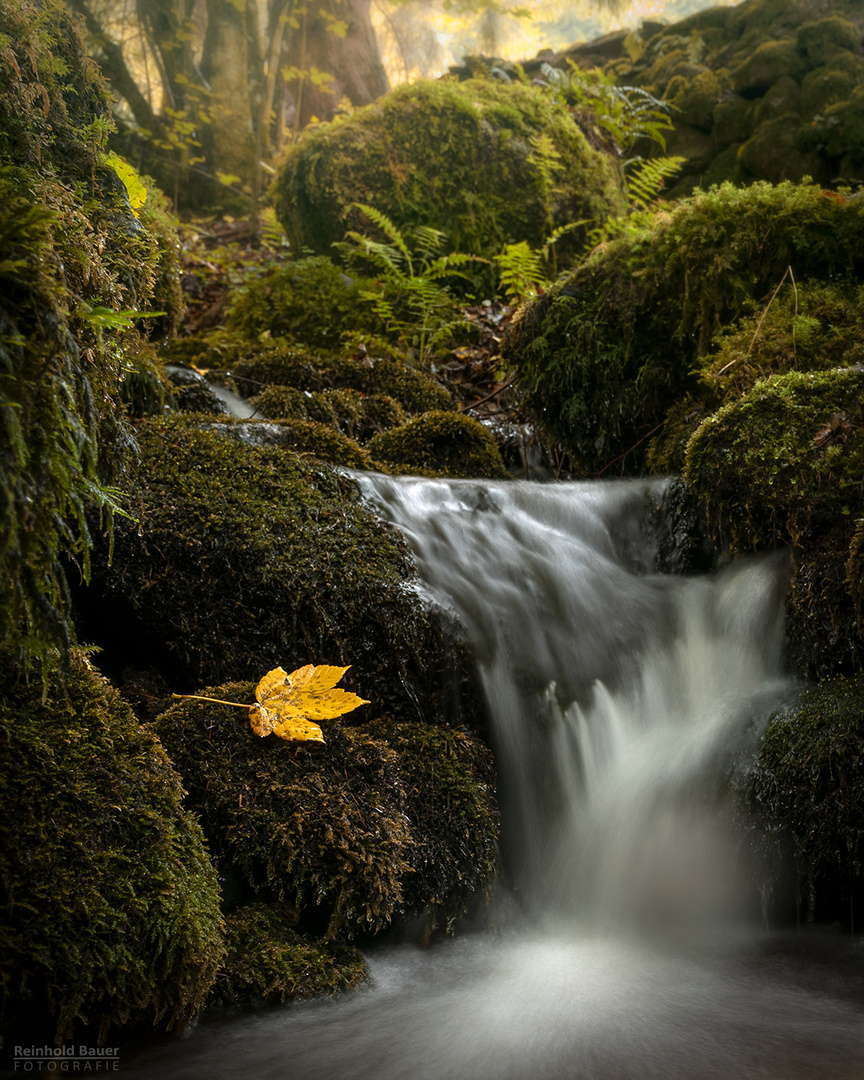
pixel 245 558
pixel 441 443
pixel 607 351
pixel 465 158
pixel 785 460
pixel 805 795
pixel 269 963
pixel 311 438
pixel 357 415
pixel 377 822
pixel 109 906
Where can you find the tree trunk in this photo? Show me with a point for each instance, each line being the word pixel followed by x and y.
pixel 229 64
pixel 354 60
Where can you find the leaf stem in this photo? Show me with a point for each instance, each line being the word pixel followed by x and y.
pixel 219 701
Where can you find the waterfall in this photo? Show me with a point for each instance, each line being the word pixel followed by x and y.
pixel 618 699
pixel 615 693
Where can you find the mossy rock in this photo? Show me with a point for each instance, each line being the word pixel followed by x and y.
pixel 783 462
pixel 821 40
pixel 269 963
pixel 306 437
pixel 445 443
pixel 734 119
pixel 377 822
pixel 310 301
pixel 110 904
pixel 822 629
pixel 813 326
pixel 459 157
pixel 805 795
pixel 783 99
pixel 825 86
pixel 766 65
pixel 842 127
pixel 415 391
pixel 356 415
pixel 608 350
pixel 773 152
pixel 695 98
pixel 244 558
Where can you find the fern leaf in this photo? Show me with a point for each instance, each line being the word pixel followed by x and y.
pixel 379 218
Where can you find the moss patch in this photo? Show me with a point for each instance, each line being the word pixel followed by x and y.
pixel 110 912
pixel 444 443
pixel 784 462
pixel 806 792
pixel 357 415
pixel 376 822
pixel 269 963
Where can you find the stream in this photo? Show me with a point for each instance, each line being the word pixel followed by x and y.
pixel 625 942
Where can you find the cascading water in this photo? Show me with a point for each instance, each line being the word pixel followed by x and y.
pixel 617 697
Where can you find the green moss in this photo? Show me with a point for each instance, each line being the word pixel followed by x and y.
pixel 607 351
pixel 357 415
pixel 110 911
pixel 695 98
pixel 270 963
pixel 769 62
pixel 825 86
pixel 455 156
pixel 69 244
pixel 785 460
pixel 811 327
pixel 321 441
pixel 820 41
pixel 310 300
pixel 806 790
pixel 247 558
pixel 415 391
pixel 446 443
pixel 376 822
pixel 822 629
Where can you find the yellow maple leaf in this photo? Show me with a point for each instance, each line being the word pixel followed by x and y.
pixel 285 705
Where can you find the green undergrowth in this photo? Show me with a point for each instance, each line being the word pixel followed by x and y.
pixel 377 822
pixel 607 351
pixel 311 301
pixel 441 443
pixel 805 795
pixel 110 905
pixel 251 557
pixel 467 159
pixel 269 963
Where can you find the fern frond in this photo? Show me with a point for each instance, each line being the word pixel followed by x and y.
pixel 379 218
pixel 646 178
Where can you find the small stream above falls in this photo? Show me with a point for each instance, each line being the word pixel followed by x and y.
pixel 618 700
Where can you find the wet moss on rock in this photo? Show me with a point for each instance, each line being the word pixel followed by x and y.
pixel 805 794
pixel 784 462
pixel 459 157
pixel 248 558
pixel 442 443
pixel 608 350
pixel 110 905
pixel 269 963
pixel 377 822
pixel 351 412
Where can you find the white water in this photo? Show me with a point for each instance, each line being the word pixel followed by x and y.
pixel 617 698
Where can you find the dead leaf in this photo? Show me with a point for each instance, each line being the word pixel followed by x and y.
pixel 287 704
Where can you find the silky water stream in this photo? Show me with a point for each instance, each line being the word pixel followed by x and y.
pixel 620 948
